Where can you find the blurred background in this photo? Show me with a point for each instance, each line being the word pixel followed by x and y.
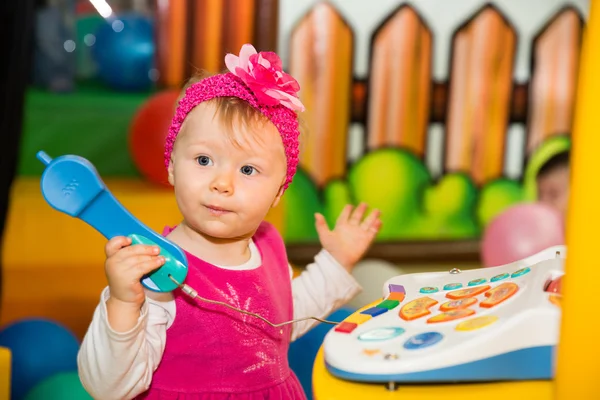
pixel 439 113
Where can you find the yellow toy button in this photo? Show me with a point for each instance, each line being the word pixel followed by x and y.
pixel 457 304
pixel 451 315
pixel 358 318
pixel 417 308
pixel 476 323
pixel 470 292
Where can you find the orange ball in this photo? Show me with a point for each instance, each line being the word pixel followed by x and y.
pixel 147 135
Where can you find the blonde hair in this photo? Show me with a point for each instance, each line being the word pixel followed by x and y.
pixel 229 110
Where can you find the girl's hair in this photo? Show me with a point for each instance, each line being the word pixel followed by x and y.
pixel 557 161
pixel 229 110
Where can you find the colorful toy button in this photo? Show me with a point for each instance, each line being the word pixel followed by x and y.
pixel 554 299
pixel 520 272
pixel 451 315
pixel 417 308
pixel 554 286
pixel 423 340
pixel 358 318
pixel 380 334
pixel 498 294
pixel 398 296
pixel 457 304
pixel 469 292
pixel 374 311
pixel 452 286
pixel 429 289
pixel 388 304
pixel 499 277
pixel 396 288
pixel 476 323
pixel 476 282
pixel 345 327
pixel 371 352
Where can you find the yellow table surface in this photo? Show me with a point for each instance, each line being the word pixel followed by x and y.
pixel 328 387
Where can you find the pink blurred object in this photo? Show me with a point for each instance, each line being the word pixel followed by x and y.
pixel 519 232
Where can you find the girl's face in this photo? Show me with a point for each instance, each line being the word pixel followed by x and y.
pixel 553 189
pixel 226 180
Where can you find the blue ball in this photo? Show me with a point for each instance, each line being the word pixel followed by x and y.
pixel 39 349
pixel 124 52
pixel 302 352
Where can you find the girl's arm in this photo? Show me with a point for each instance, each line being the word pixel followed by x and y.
pixel 120 365
pixel 322 288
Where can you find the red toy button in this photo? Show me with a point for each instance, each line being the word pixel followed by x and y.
pixel 346 327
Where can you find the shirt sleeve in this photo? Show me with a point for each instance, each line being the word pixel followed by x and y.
pixel 321 289
pixel 119 365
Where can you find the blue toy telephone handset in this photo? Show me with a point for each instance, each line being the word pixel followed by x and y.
pixel 72 185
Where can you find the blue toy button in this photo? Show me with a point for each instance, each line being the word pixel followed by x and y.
pixel 499 277
pixel 520 272
pixel 374 311
pixel 423 340
pixel 428 289
pixel 452 286
pixel 476 282
pixel 381 334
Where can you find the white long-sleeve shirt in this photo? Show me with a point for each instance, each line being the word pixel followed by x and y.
pixel 119 365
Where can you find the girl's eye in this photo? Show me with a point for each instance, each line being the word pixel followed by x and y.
pixel 248 170
pixel 204 160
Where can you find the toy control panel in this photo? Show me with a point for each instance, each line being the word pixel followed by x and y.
pixel 490 324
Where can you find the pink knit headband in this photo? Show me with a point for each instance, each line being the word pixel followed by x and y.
pixel 258 79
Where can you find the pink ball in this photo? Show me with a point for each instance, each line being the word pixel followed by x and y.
pixel 519 232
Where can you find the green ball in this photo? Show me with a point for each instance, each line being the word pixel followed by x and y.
pixel 65 385
pixel 301 203
pixel 496 196
pixel 391 180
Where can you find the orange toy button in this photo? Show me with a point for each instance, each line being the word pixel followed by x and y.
pixel 498 294
pixel 457 304
pixel 554 299
pixel 371 352
pixel 417 308
pixel 451 315
pixel 476 323
pixel 398 296
pixel 470 292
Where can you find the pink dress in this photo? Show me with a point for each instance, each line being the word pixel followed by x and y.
pixel 214 353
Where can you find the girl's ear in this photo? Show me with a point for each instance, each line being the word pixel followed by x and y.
pixel 278 197
pixel 171 177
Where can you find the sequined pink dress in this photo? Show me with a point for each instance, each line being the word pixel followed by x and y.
pixel 214 353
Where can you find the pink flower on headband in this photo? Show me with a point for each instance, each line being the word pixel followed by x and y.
pixel 263 74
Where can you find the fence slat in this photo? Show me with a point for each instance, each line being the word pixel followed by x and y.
pixel 171 41
pixel 554 78
pixel 400 83
pixel 321 61
pixel 206 50
pixel 266 24
pixel 238 24
pixel 479 99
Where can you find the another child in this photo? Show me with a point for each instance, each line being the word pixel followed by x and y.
pixel 231 152
pixel 553 182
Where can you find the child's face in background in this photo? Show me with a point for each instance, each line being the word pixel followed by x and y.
pixel 553 189
pixel 224 188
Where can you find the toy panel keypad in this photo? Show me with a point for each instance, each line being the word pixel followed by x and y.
pixel 439 311
pixel 459 305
